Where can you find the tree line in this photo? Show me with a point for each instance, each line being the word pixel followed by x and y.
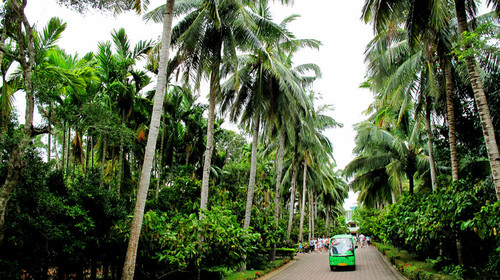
pixel 427 164
pixel 154 168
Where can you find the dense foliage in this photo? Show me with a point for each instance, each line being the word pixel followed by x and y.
pixel 69 186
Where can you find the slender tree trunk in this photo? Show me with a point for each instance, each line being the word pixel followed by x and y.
pixel 481 102
pixel 279 174
pixel 432 163
pixel 314 216
pixel 49 142
pixel 292 194
pixel 63 155
pixel 253 171
pixel 89 149
pixel 56 154
pixel 210 139
pixel 69 149
pixel 135 231
pixel 451 121
pixel 251 181
pixel 302 212
pixel 103 158
pixel 309 216
pixel 327 221
pixel 157 191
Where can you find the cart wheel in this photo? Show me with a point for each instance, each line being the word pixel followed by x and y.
pixel 332 268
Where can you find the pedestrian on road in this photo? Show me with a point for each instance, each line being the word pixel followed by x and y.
pixel 362 240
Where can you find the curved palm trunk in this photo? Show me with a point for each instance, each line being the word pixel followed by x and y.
pixel 432 163
pixel 292 195
pixel 302 211
pixel 451 121
pixel 481 102
pixel 135 231
pixel 253 171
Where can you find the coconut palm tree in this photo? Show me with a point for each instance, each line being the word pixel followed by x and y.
pixel 462 9
pixel 209 32
pixel 314 148
pixel 386 157
pixel 142 192
pixel 381 13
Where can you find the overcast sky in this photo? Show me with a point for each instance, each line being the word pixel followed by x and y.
pixel 336 23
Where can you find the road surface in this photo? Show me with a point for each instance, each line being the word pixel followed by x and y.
pixel 370 265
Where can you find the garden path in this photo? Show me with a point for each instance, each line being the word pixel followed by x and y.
pixel 371 265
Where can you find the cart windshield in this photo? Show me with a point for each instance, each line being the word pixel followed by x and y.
pixel 342 246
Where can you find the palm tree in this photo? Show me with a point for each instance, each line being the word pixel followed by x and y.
pixel 383 12
pixel 142 192
pixel 387 156
pixel 479 94
pixel 209 33
pixel 121 82
pixel 314 148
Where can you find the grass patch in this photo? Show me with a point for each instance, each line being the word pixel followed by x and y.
pixel 408 266
pixel 254 274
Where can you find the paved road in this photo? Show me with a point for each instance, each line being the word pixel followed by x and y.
pixel 369 265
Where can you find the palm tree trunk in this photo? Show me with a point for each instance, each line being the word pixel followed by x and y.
pixel 410 175
pixel 120 168
pixel 309 215
pixel 302 212
pixel 327 221
pixel 48 142
pixel 481 102
pixel 68 150
pixel 135 230
pixel 210 139
pixel 279 174
pixel 103 158
pixel 253 171
pixel 451 121
pixel 56 154
pixel 432 163
pixel 157 191
pixel 292 194
pixel 313 213
pixel 63 155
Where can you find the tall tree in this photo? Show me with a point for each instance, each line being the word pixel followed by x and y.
pixel 208 35
pixel 479 94
pixel 24 38
pixel 142 193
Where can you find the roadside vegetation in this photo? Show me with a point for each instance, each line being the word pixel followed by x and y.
pixel 114 173
pixel 425 170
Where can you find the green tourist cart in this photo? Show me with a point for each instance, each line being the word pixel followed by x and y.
pixel 341 251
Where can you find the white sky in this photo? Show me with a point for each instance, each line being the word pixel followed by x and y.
pixel 336 23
